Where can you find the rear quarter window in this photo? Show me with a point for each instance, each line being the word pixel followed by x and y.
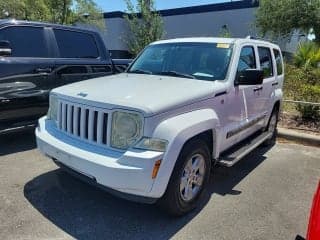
pixel 278 59
pixel 265 61
pixel 74 44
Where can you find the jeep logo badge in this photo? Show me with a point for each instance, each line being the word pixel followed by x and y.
pixel 82 94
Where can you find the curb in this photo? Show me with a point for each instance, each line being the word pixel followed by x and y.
pixel 298 136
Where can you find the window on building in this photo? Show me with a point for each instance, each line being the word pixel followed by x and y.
pixel 265 61
pixel 76 44
pixel 25 41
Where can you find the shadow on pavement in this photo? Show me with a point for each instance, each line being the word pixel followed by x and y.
pixel 17 142
pixel 86 212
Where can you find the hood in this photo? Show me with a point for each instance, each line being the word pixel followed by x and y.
pixel 150 94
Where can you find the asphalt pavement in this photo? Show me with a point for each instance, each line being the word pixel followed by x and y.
pixel 267 196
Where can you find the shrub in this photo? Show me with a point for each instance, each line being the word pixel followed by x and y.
pixel 307 55
pixel 303 85
pixel 294 77
pixel 310 93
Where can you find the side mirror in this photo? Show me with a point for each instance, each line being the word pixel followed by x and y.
pixel 249 77
pixel 5 48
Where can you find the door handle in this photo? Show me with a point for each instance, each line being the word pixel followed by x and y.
pixel 275 83
pixel 43 70
pixel 257 89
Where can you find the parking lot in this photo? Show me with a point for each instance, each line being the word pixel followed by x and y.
pixel 266 196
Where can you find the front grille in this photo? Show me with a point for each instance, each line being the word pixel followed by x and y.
pixel 84 122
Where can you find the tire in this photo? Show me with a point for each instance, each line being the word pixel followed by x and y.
pixel 272 127
pixel 178 199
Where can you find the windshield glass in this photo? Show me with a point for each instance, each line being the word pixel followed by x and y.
pixel 204 61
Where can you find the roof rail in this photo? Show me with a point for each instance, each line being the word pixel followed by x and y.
pixel 260 38
pixel 255 38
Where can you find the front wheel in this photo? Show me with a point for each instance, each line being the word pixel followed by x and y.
pixel 189 179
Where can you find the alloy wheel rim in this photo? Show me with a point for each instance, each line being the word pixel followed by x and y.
pixel 192 177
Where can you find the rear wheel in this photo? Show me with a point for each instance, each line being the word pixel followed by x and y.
pixel 189 179
pixel 272 128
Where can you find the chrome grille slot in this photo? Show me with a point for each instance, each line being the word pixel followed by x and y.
pixel 104 126
pixel 76 126
pixel 69 118
pixel 84 122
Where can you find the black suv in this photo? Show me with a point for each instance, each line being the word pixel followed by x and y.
pixel 36 57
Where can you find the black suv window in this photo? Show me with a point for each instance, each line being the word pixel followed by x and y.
pixel 25 41
pixel 247 59
pixel 76 44
pixel 278 58
pixel 265 61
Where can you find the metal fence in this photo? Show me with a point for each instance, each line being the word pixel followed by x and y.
pixel 291 117
pixel 302 102
pixel 290 106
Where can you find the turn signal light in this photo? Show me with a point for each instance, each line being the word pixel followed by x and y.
pixel 156 169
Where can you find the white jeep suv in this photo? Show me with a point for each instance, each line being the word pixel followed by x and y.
pixel 154 132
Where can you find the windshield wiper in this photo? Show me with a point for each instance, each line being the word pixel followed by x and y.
pixel 140 71
pixel 177 74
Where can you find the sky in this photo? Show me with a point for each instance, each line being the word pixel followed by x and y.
pixel 119 5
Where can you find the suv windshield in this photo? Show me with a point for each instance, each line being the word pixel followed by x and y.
pixel 204 61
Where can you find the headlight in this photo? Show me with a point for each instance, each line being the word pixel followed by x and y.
pixel 53 108
pixel 126 129
pixel 152 144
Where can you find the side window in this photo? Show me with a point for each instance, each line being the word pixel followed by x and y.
pixel 76 44
pixel 265 61
pixel 25 41
pixel 102 69
pixel 278 58
pixel 247 59
pixel 73 70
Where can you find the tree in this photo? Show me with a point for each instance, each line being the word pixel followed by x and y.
pixel 145 25
pixel 25 9
pixel 282 17
pixel 88 12
pixel 60 11
pixel 54 11
pixel 225 32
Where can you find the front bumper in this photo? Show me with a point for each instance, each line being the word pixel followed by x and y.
pixel 127 172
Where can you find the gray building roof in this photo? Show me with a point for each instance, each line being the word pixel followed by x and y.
pixel 196 9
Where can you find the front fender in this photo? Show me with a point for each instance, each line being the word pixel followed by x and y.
pixel 178 130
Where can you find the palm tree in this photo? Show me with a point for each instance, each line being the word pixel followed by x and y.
pixel 307 55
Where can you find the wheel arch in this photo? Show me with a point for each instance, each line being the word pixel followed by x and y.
pixel 208 136
pixel 180 130
pixel 276 105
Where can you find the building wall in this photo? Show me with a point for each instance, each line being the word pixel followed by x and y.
pixel 199 21
pixel 238 21
pixel 210 24
pixel 116 34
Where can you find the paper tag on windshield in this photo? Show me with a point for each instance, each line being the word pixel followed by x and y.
pixel 223 45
